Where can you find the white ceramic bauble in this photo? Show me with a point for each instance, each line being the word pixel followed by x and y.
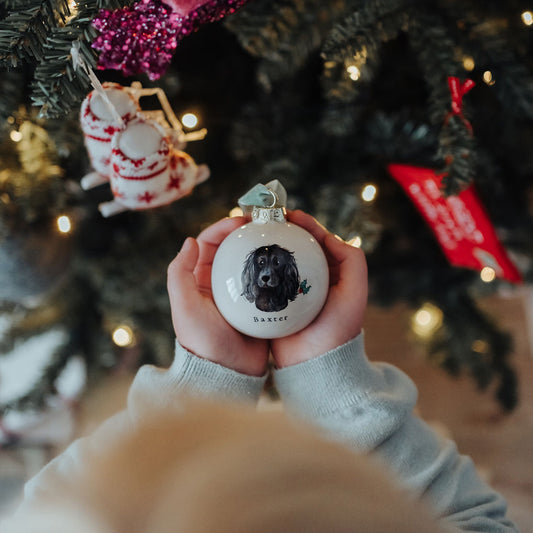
pixel 269 278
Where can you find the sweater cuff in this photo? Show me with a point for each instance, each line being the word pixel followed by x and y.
pixel 339 382
pixel 192 376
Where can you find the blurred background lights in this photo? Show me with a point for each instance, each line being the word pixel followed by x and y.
pixel 353 72
pixel 369 193
pixel 480 346
pixel 189 120
pixel 527 18
pixel 426 320
pixel 487 78
pixel 468 63
pixel 123 336
pixel 236 212
pixel 63 224
pixel 487 274
pixel 16 136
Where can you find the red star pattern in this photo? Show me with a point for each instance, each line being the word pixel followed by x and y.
pixel 110 130
pixel 174 182
pixel 146 197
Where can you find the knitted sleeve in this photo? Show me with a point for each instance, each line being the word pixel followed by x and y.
pixel 152 388
pixel 369 408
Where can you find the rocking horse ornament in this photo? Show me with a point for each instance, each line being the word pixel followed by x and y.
pixel 139 153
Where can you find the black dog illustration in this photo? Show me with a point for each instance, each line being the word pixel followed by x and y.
pixel 270 278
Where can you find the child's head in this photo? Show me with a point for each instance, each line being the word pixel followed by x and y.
pixel 231 470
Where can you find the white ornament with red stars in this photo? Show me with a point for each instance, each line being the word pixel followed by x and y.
pixel 137 152
pixel 99 125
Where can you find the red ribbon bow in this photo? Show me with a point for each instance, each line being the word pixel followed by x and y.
pixel 458 90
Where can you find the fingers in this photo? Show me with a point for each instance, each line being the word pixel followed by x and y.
pixel 209 239
pixel 180 275
pixel 307 222
pixel 351 271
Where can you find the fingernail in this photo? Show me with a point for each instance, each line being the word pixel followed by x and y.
pixel 338 237
pixel 186 244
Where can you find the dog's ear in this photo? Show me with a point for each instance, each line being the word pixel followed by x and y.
pixel 291 277
pixel 248 277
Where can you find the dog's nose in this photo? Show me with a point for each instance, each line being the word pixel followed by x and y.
pixel 265 278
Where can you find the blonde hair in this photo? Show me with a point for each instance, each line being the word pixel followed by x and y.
pixel 230 469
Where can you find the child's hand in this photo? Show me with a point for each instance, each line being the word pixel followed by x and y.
pixel 341 318
pixel 198 325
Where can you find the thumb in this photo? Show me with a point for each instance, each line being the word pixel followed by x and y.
pixel 180 275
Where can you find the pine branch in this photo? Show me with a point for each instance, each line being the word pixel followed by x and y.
pixel 494 43
pixel 355 43
pixel 23 33
pixel 370 24
pixel 58 86
pixel 470 343
pixel 514 82
pixel 12 89
pixel 429 38
pixel 284 34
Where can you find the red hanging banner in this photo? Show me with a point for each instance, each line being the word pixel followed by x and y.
pixel 460 223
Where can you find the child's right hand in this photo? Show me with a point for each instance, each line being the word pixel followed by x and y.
pixel 341 318
pixel 198 325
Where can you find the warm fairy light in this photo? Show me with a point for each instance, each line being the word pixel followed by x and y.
pixel 123 336
pixel 487 78
pixel 480 346
pixel 236 212
pixel 468 63
pixel 369 193
pixel 353 72
pixel 527 18
pixel 63 224
pixel 16 136
pixel 73 8
pixel 487 274
pixel 426 320
pixel 356 241
pixel 189 120
pixel 11 120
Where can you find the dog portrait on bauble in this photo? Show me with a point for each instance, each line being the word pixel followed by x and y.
pixel 270 278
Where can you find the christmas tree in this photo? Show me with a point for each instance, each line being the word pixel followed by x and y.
pixel 324 97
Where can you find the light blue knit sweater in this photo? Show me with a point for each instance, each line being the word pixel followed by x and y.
pixel 368 407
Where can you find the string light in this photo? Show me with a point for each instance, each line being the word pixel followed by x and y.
pixel 487 78
pixel 487 274
pixel 353 72
pixel 64 225
pixel 236 212
pixel 356 241
pixel 16 136
pixel 468 63
pixel 369 193
pixel 189 120
pixel 480 346
pixel 426 320
pixel 73 8
pixel 527 18
pixel 123 336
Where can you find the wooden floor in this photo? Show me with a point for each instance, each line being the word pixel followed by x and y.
pixel 500 445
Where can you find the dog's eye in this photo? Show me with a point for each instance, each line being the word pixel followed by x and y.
pixel 262 262
pixel 275 261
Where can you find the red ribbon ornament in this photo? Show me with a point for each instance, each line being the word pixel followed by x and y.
pixel 458 90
